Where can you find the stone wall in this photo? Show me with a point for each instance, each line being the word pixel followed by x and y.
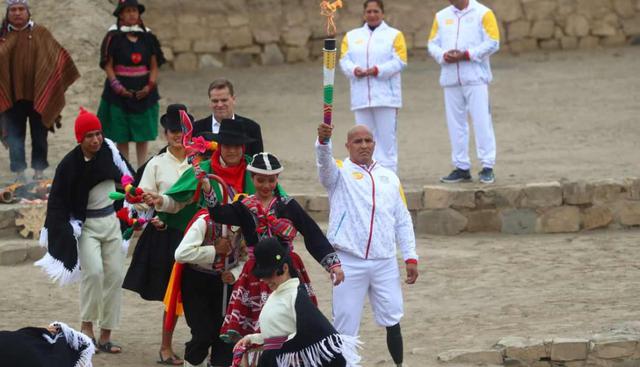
pixel 553 207
pixel 200 34
pixel 618 347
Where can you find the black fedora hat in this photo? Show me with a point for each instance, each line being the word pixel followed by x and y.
pixel 124 3
pixel 232 133
pixel 171 119
pixel 270 254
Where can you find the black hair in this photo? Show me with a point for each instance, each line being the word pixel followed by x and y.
pixel 292 271
pixel 4 28
pixel 379 2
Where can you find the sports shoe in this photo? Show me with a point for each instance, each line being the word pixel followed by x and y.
pixel 487 176
pixel 457 175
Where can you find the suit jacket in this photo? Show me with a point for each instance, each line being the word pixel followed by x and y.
pixel 251 129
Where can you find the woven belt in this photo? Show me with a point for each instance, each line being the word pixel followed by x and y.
pixel 99 213
pixel 274 343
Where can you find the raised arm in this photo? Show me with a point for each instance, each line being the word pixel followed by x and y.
pixel 328 170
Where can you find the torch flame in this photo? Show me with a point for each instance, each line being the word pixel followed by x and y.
pixel 328 9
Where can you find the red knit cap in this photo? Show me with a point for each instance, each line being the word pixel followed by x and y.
pixel 85 122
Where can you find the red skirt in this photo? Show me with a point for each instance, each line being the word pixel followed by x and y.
pixel 249 296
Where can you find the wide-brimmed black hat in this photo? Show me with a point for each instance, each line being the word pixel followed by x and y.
pixel 232 133
pixel 124 3
pixel 270 254
pixel 265 163
pixel 171 120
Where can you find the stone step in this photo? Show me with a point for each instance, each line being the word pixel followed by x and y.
pixel 14 251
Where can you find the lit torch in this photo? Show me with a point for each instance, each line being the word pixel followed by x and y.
pixel 328 10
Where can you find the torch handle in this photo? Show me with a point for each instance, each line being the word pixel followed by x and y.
pixel 329 70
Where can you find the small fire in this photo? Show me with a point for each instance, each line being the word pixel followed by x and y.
pixel 328 9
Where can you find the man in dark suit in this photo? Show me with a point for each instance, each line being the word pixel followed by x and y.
pixel 222 102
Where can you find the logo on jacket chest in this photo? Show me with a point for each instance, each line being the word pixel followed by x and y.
pixel 359 41
pixel 449 22
pixel 357 175
pixel 136 57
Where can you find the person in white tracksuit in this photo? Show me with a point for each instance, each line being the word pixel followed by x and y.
pixel 367 218
pixel 372 57
pixel 462 38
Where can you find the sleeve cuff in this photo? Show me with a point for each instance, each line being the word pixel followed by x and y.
pixel 411 261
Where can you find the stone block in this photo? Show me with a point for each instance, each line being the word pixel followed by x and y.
pixel 168 53
pixel 295 15
pixel 181 45
pixel 558 33
pixel 486 220
pixel 523 45
pixel 507 11
pixel 541 364
pixel 192 31
pixel 267 34
pixel 607 191
pixel 551 44
pixel 238 19
pixel 596 217
pixel 472 356
pixel 523 349
pixel 209 61
pixel 631 26
pixel 632 186
pixel 539 9
pixel 238 37
pixel 629 213
pixel 440 197
pixel 7 218
pixel 186 61
pixel 518 221
pixel 624 8
pixel 296 54
pixel 611 349
pixel 588 43
pixel 563 219
pixel 565 349
pixel 518 30
pixel 607 26
pixel 35 251
pixel 542 195
pixel 569 43
pixel 13 252
pixel 188 19
pixel 271 55
pixel 542 29
pixel 614 41
pixel 318 203
pixel 577 25
pixel 440 222
pixel 414 200
pixel 238 59
pixel 297 36
pixel 500 197
pixel 577 193
pixel 208 46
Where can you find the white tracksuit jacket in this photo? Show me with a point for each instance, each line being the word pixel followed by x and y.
pixel 473 29
pixel 368 214
pixel 385 48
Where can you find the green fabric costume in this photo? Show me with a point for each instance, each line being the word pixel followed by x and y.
pixel 184 189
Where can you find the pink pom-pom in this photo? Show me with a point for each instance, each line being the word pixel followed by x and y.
pixel 126 180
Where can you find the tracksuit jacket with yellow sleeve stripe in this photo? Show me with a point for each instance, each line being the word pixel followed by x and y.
pixel 384 48
pixel 473 30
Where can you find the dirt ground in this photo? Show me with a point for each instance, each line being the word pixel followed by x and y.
pixel 557 115
pixel 472 291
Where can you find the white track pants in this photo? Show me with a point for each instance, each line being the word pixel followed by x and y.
pixel 383 123
pixel 460 102
pixel 380 279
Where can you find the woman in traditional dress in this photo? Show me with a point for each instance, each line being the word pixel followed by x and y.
pixel 293 331
pixel 267 213
pixel 152 261
pixel 130 56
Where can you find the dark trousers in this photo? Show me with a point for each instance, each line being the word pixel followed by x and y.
pixel 202 301
pixel 16 130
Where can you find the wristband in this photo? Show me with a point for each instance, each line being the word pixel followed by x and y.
pixel 151 84
pixel 116 86
pixel 411 261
